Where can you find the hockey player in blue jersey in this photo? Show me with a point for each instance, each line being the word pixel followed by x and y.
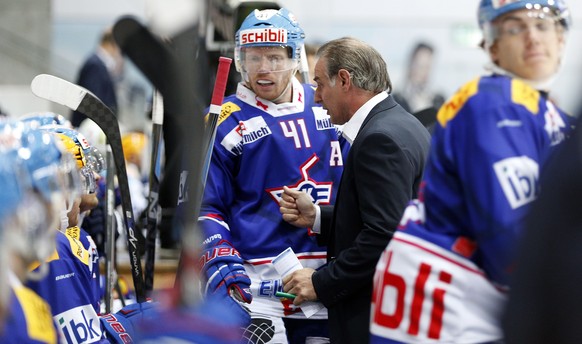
pixel 270 133
pixel 74 267
pixel 445 276
pixel 47 179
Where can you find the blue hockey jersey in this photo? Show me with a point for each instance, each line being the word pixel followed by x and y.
pixel 89 245
pixel 29 318
pixel 70 289
pixel 491 140
pixel 259 148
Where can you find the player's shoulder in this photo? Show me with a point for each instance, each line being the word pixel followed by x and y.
pixel 28 308
pixel 231 110
pixel 489 92
pixel 74 232
pixel 71 247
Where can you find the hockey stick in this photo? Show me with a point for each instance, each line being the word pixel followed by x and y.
pixel 214 114
pixel 80 99
pixel 189 254
pixel 150 55
pixel 153 209
pixel 170 67
pixel 110 272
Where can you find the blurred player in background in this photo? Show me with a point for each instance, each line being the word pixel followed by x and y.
pixel 74 268
pixel 448 268
pixel 47 181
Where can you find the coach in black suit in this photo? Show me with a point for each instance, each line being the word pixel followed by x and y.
pixel 381 174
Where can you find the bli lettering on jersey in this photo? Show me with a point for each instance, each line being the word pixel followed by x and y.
pixel 320 192
pixel 79 325
pixel 417 291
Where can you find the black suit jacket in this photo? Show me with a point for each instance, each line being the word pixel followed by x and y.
pixel 95 77
pixel 382 173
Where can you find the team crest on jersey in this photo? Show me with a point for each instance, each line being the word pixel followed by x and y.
pixel 554 125
pixel 320 192
pixel 322 119
pixel 246 132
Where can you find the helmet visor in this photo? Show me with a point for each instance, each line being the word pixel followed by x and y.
pixel 266 59
pixel 95 160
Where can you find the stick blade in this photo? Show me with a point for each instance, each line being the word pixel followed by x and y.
pixel 145 50
pixel 58 90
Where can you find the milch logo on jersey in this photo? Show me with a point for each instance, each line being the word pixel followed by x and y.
pixel 322 119
pixel 320 192
pixel 518 177
pixel 246 132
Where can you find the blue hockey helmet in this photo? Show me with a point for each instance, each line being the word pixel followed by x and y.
pixel 12 182
pixel 51 179
pixel 269 28
pixel 89 159
pixel 38 119
pixel 489 10
pixel 12 195
pixel 50 169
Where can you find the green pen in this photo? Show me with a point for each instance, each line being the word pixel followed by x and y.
pixel 285 295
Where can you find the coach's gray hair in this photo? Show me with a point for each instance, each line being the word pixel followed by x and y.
pixel 367 68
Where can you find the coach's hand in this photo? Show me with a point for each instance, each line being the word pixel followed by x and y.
pixel 300 284
pixel 297 208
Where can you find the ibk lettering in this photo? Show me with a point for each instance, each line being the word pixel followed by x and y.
pixel 269 35
pixel 80 325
